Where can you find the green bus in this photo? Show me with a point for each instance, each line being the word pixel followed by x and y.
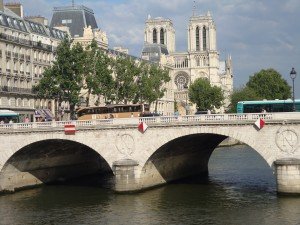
pixel 268 106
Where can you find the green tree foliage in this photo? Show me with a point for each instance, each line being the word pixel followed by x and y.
pixel 144 91
pixel 158 77
pixel 151 83
pixel 63 80
pixel 242 94
pixel 126 74
pixel 269 84
pixel 98 75
pixel 204 95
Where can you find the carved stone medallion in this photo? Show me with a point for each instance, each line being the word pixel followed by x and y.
pixel 287 140
pixel 125 144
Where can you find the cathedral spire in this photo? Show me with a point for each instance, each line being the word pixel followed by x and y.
pixel 194 8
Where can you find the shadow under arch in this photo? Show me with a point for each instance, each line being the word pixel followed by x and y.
pixel 180 158
pixel 49 161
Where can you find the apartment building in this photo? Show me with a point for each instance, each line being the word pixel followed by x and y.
pixel 27 47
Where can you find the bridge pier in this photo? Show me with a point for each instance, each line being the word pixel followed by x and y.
pixel 125 175
pixel 288 176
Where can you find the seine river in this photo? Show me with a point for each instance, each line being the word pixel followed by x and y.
pixel 241 190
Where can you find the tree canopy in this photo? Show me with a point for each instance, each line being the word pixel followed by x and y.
pixel 204 95
pixel 98 73
pixel 63 80
pixel 266 84
pixel 269 84
pixel 118 80
pixel 242 94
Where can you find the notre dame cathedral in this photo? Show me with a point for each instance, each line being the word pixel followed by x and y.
pixel 201 60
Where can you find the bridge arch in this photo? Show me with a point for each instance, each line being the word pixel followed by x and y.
pixel 51 160
pixel 186 153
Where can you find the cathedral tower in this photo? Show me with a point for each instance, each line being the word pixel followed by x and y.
pixel 202 34
pixel 160 31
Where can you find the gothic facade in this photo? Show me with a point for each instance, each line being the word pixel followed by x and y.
pixel 201 60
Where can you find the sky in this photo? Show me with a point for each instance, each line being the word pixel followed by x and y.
pixel 258 34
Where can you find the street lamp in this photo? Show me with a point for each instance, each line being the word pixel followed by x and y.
pixel 293 75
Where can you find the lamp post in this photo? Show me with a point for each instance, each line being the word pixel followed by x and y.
pixel 293 75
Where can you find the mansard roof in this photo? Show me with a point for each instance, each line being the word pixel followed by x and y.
pixel 13 21
pixel 74 17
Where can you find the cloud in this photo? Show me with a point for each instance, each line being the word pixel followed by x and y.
pixel 258 34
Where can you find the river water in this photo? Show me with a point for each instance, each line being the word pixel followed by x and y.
pixel 241 189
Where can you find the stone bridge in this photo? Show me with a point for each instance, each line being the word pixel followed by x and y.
pixel 116 151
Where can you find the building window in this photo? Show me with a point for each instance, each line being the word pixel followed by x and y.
pixel 197 39
pixel 204 39
pixel 197 61
pixel 66 21
pixel 162 36
pixel 154 36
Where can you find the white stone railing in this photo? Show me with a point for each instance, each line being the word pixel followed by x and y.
pixel 190 119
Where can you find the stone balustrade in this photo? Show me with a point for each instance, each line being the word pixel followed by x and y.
pixel 204 118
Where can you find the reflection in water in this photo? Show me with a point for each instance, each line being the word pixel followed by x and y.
pixel 241 189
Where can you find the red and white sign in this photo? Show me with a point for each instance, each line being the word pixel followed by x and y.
pixel 260 123
pixel 70 129
pixel 142 127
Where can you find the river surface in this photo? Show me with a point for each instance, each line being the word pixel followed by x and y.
pixel 241 189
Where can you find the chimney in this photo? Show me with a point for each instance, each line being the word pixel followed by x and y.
pixel 17 8
pixel 1 6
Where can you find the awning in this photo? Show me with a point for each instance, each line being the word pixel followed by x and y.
pixel 43 113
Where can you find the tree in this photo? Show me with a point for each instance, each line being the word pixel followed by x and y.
pixel 98 75
pixel 151 83
pixel 126 75
pixel 242 94
pixel 204 95
pixel 63 80
pixel 269 84
pixel 158 77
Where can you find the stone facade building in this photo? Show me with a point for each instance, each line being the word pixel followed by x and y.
pixel 28 46
pixel 201 60
pixel 26 49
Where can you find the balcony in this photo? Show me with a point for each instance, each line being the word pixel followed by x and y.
pixel 8 73
pixel 21 41
pixel 8 54
pixel 27 57
pixel 15 56
pixel 14 39
pixel 39 45
pixel 16 90
pixel 22 76
pixel 22 57
pixel 16 74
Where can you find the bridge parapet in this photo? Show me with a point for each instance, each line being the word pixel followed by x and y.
pixel 199 119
